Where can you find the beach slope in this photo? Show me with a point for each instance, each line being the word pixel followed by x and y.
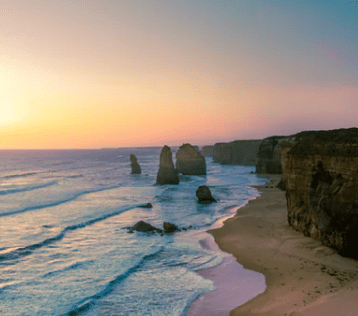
pixel 303 277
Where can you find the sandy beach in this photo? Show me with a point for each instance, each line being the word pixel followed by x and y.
pixel 303 277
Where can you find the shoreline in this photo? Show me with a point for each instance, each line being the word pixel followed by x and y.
pixel 229 278
pixel 303 277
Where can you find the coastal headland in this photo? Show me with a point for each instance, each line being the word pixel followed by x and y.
pixel 303 277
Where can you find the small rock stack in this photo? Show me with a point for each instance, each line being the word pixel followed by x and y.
pixel 135 165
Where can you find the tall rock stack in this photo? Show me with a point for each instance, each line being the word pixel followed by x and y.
pixel 167 173
pixel 190 161
pixel 135 165
pixel 320 171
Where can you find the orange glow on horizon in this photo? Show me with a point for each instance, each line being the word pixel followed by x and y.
pixel 122 73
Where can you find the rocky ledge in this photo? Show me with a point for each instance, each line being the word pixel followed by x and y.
pixel 190 161
pixel 320 173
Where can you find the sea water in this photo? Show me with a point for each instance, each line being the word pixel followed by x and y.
pixel 64 246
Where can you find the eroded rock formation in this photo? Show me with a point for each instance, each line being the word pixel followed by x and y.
pixel 190 161
pixel 135 165
pixel 320 172
pixel 269 155
pixel 204 195
pixel 239 152
pixel 167 173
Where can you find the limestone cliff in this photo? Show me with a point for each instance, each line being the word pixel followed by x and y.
pixel 207 150
pixel 190 161
pixel 269 155
pixel 239 152
pixel 167 173
pixel 320 171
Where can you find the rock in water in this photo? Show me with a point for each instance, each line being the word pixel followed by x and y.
pixel 204 195
pixel 135 165
pixel 169 227
pixel 167 173
pixel 320 171
pixel 143 227
pixel 148 205
pixel 190 161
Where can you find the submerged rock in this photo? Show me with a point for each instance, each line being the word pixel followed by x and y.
pixel 190 161
pixel 204 195
pixel 135 165
pixel 170 228
pixel 148 205
pixel 167 173
pixel 144 227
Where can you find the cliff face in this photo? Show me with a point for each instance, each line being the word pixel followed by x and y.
pixel 207 150
pixel 239 152
pixel 269 155
pixel 190 161
pixel 320 171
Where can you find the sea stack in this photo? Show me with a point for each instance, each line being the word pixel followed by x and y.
pixel 190 161
pixel 135 165
pixel 320 172
pixel 167 173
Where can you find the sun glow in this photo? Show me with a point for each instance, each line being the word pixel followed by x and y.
pixel 7 112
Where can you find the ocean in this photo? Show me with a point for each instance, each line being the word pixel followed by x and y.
pixel 64 246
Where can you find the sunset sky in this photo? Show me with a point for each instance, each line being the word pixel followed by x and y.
pixel 122 73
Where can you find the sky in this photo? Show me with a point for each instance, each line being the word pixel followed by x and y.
pixel 129 73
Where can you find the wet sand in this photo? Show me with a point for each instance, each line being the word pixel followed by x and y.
pixel 303 277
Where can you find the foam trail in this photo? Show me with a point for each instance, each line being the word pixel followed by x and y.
pixel 52 204
pixel 11 176
pixel 25 251
pixel 86 303
pixel 31 188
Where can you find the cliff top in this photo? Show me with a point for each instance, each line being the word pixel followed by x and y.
pixel 339 142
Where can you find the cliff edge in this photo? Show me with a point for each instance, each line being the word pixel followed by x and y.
pixel 320 171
